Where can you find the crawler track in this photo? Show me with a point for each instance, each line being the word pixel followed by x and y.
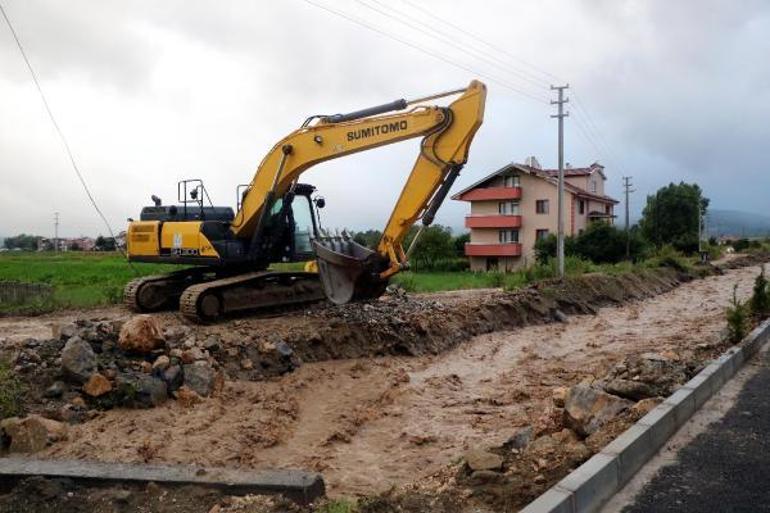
pixel 209 301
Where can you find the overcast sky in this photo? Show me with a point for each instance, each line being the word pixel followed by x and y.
pixel 152 92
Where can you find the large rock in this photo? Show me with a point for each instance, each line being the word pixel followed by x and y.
pixel 201 378
pixel 141 390
pixel 141 334
pixel 648 375
pixel 97 385
pixel 78 359
pixel 32 434
pixel 586 409
pixel 481 459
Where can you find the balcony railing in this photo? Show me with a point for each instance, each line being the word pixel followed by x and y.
pixel 492 193
pixel 493 250
pixel 493 221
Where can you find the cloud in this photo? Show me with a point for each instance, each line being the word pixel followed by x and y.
pixel 152 92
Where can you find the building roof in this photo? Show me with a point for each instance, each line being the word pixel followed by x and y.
pixel 549 175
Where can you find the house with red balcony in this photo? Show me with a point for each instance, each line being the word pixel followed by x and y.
pixel 513 207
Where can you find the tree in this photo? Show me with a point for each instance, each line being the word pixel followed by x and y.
pixel 459 242
pixel 435 243
pixel 104 244
pixel 600 243
pixel 22 241
pixel 369 238
pixel 671 216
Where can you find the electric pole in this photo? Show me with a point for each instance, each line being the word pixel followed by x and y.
pixel 56 231
pixel 560 115
pixel 627 187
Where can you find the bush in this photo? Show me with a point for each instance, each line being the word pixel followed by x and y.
pixel 11 392
pixel 442 265
pixel 667 256
pixel 600 243
pixel 737 318
pixel 760 298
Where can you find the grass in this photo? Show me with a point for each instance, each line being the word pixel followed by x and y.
pixel 338 506
pixel 11 392
pixel 80 280
pixel 86 280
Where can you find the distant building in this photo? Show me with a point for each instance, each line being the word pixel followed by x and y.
pixel 517 205
pixel 67 244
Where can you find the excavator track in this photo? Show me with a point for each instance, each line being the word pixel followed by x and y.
pixel 157 292
pixel 209 301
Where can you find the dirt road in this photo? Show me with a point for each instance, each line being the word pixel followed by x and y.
pixel 369 424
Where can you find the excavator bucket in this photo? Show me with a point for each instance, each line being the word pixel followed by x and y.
pixel 348 270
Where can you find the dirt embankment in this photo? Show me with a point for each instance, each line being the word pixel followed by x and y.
pixel 409 416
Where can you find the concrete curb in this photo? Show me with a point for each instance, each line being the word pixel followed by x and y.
pixel 300 486
pixel 589 486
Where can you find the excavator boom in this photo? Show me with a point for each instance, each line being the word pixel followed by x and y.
pixel 348 270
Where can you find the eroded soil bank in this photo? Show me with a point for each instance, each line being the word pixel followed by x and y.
pixel 387 401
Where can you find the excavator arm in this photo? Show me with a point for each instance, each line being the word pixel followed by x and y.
pixel 348 270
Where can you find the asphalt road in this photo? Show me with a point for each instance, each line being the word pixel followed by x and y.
pixel 725 468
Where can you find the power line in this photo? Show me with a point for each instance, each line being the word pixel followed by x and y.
pixel 475 37
pixel 450 40
pixel 431 53
pixel 55 124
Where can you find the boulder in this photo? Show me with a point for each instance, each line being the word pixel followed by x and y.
pixel 200 377
pixel 558 396
pixel 520 439
pixel 481 459
pixel 212 344
pixel 141 390
pixel 97 385
pixel 141 334
pixel 32 434
pixel 55 391
pixel 78 359
pixel 173 377
pixel 646 375
pixel 586 409
pixel 161 363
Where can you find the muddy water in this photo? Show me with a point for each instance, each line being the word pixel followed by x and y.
pixel 371 423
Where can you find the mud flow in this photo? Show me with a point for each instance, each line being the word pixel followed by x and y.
pixel 462 401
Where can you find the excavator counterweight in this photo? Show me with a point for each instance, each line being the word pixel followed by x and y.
pixel 276 218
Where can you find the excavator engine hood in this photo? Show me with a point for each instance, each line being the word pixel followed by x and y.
pixel 348 270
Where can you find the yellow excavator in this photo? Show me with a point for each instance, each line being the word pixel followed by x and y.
pixel 227 254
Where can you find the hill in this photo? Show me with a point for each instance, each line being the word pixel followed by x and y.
pixel 737 223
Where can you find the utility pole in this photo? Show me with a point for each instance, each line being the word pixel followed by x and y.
pixel 560 115
pixel 627 187
pixel 56 231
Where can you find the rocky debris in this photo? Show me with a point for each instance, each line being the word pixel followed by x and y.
pixel 141 334
pixel 78 359
pixel 212 344
pixel 647 375
pixel 560 316
pixel 97 385
pixel 520 439
pixel 140 390
pixel 481 459
pixel 586 409
pixel 161 363
pixel 31 434
pixel 56 390
pixel 201 378
pixel 559 395
pixel 173 377
pixel 187 397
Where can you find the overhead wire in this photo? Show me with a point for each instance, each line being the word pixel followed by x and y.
pixel 58 130
pixel 426 51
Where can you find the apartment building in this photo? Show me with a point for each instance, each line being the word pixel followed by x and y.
pixel 517 205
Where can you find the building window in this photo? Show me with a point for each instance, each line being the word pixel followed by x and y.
pixel 541 234
pixel 607 209
pixel 541 206
pixel 512 181
pixel 581 207
pixel 508 208
pixel 507 236
pixel 593 186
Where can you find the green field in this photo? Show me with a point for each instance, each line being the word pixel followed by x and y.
pixel 80 280
pixel 86 280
